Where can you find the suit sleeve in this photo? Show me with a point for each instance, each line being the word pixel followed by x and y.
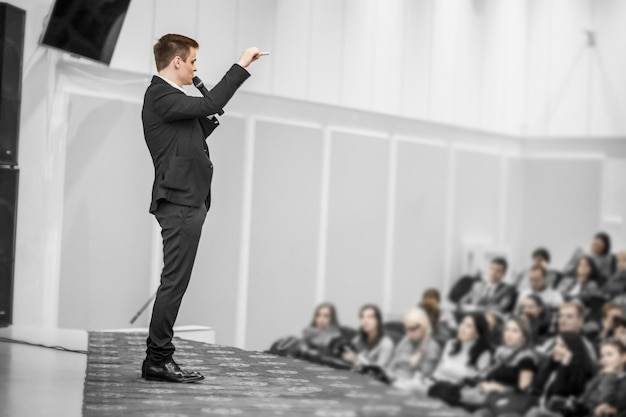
pixel 173 106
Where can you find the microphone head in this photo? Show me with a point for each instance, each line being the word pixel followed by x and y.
pixel 197 82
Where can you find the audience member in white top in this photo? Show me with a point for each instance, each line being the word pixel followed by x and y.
pixel 552 299
pixel 371 345
pixel 468 354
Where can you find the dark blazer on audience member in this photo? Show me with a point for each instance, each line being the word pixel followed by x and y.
pixel 500 300
pixel 175 128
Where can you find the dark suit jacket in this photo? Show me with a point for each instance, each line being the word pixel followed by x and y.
pixel 501 300
pixel 175 128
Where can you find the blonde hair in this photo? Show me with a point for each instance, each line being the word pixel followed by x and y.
pixel 419 315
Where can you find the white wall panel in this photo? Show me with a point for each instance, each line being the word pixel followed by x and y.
pixel 133 51
pixel 217 34
pixel 107 230
pixel 446 21
pixel 469 68
pixel 614 201
pixel 358 54
pixel 419 244
pixel 284 231
pixel 175 17
pixel 388 56
pixel 211 299
pixel 416 76
pixel 514 231
pixel 502 91
pixel 356 222
pixel 569 69
pixel 256 27
pixel 562 201
pixel 476 201
pixel 608 66
pixel 326 51
pixel 291 48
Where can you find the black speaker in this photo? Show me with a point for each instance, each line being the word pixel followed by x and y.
pixel 12 23
pixel 8 216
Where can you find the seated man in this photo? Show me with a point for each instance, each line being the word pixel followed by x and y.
pixel 571 319
pixel 491 295
pixel 540 257
pixel 552 299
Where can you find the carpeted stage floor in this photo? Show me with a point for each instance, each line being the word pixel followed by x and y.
pixel 238 382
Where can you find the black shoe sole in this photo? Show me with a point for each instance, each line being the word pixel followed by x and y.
pixel 186 380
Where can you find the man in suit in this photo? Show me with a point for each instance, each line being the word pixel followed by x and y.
pixel 175 128
pixel 492 295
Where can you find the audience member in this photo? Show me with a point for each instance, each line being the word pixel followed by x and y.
pixel 610 311
pixel 551 298
pixel 441 332
pixel 514 368
pixel 491 295
pixel 324 328
pixel 601 392
pixel 468 354
pixel 539 319
pixel 570 319
pixel 600 254
pixel 564 375
pixel 417 354
pixel 540 258
pixel 371 346
pixel 585 282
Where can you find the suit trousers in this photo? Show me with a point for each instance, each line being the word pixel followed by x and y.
pixel 181 227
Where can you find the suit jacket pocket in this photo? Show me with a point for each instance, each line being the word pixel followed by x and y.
pixel 178 175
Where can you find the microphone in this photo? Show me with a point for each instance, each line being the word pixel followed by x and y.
pixel 197 82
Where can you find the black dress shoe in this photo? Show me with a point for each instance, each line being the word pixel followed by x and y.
pixel 169 372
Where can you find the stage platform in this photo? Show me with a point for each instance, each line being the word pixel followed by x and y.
pixel 107 382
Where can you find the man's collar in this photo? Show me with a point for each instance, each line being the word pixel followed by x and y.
pixel 171 83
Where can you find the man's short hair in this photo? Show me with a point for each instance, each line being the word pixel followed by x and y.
pixel 539 268
pixel 171 46
pixel 542 253
pixel 580 310
pixel 502 262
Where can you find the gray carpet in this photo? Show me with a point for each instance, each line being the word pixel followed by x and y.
pixel 238 382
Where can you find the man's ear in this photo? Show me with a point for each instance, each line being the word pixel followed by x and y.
pixel 177 61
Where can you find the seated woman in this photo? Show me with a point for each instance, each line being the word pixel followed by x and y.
pixel 515 362
pixel 538 318
pixel 600 255
pixel 463 358
pixel 371 346
pixel 514 368
pixel 417 354
pixel 564 375
pixel 316 338
pixel 324 328
pixel 585 283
